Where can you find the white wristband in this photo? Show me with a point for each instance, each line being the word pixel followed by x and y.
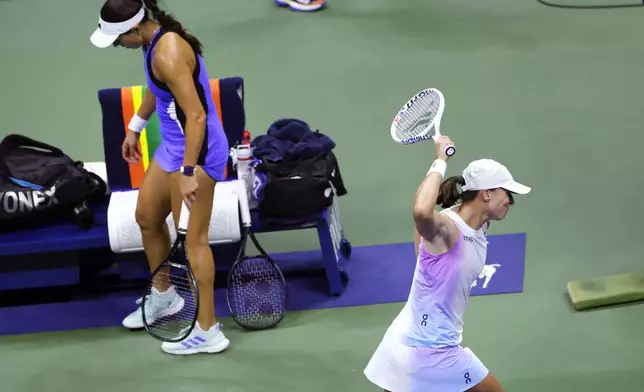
pixel 137 124
pixel 439 166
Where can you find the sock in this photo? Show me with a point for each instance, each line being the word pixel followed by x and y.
pixel 163 294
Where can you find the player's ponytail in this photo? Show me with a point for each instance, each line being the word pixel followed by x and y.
pixel 169 23
pixel 448 192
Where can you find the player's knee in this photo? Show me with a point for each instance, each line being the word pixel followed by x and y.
pixel 148 219
pixel 200 254
pixel 197 242
pixel 198 227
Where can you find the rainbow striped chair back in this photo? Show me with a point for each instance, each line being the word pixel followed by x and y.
pixel 118 105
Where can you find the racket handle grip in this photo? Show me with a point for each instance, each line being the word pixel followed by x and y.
pixel 243 202
pixel 450 150
pixel 184 217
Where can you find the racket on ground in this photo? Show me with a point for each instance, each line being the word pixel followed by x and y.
pixel 256 289
pixel 171 318
pixel 420 119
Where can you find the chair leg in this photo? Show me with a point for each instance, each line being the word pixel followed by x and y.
pixel 331 256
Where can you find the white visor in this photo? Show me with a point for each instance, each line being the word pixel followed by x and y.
pixel 108 32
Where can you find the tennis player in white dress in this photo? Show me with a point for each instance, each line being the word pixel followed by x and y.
pixel 421 350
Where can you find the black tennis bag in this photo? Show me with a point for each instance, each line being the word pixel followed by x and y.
pixel 299 189
pixel 41 185
pixel 298 174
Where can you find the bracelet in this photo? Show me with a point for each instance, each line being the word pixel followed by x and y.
pixel 439 166
pixel 137 124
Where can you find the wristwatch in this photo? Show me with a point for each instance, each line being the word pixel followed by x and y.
pixel 188 170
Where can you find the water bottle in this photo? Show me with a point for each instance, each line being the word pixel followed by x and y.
pixel 245 172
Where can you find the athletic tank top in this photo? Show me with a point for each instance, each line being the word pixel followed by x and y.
pixel 441 287
pixel 172 120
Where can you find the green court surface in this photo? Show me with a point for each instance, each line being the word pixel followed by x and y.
pixel 554 94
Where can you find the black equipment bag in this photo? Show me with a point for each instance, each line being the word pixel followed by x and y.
pixel 299 189
pixel 40 185
pixel 298 174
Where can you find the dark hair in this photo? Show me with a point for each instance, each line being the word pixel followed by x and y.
pixel 120 10
pixel 448 193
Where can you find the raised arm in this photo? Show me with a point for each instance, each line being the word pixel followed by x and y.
pixel 417 240
pixel 435 228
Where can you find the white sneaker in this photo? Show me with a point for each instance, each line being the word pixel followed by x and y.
pixel 199 341
pixel 158 305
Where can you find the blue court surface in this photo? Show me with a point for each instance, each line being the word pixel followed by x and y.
pixel 378 274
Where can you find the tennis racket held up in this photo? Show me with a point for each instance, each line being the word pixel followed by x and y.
pixel 420 118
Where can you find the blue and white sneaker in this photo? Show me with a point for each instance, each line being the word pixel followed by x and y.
pixel 306 5
pixel 199 341
pixel 158 305
pixel 302 5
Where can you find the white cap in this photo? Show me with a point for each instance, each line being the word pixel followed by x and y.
pixel 108 32
pixel 489 174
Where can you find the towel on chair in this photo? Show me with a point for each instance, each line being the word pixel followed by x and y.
pixel 291 140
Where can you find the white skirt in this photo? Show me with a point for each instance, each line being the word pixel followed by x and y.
pixel 397 367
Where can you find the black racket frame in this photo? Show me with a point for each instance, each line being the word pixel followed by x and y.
pixel 248 232
pixel 179 245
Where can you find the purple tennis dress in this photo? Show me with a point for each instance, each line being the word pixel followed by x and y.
pixel 169 155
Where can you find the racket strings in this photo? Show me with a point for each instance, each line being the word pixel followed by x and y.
pixel 418 117
pixel 257 294
pixel 171 303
